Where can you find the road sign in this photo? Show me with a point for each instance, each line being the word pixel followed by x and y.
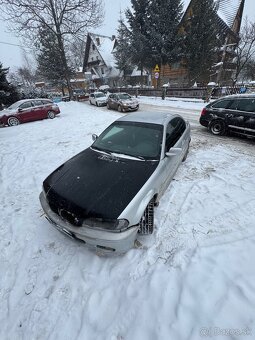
pixel 156 69
pixel 156 75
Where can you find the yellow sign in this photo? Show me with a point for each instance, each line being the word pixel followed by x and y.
pixel 156 69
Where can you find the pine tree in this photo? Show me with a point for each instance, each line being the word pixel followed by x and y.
pixel 137 18
pixel 201 39
pixel 122 51
pixel 8 93
pixel 49 59
pixel 164 18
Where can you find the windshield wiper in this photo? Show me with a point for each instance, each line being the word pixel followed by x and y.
pixel 127 155
pixel 101 150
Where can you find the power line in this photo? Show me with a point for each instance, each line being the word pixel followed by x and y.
pixel 6 43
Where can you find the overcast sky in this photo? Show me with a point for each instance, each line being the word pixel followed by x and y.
pixel 12 55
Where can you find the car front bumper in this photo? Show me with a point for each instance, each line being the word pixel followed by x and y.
pixel 130 108
pixel 103 241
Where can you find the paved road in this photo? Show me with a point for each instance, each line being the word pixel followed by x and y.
pixel 199 133
pixel 189 114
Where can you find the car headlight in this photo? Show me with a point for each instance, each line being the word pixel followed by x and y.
pixel 108 225
pixel 121 224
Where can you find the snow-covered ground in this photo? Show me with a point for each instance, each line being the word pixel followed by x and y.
pixel 191 279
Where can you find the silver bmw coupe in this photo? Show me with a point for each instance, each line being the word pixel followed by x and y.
pixel 106 195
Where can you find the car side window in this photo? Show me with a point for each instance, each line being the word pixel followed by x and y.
pixel 233 105
pixel 174 131
pixel 222 104
pixel 247 105
pixel 26 105
pixel 37 103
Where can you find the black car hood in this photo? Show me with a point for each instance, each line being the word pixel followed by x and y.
pixel 95 185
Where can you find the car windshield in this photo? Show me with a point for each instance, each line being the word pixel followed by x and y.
pixel 14 106
pixel 124 96
pixel 142 140
pixel 98 95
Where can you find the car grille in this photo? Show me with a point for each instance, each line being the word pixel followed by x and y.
pixel 69 212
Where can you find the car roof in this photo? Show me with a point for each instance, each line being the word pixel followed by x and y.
pixel 238 96
pixel 121 93
pixel 148 117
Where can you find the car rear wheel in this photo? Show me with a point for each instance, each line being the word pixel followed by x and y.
pixel 217 127
pixel 120 109
pixel 13 121
pixel 108 106
pixel 51 114
pixel 96 103
pixel 147 221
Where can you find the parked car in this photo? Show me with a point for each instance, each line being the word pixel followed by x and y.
pixel 98 99
pixel 122 102
pixel 105 196
pixel 234 113
pixel 28 110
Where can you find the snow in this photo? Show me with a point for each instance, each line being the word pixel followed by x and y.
pixel 227 9
pixel 191 279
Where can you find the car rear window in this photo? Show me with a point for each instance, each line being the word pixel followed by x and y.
pixel 222 104
pixel 247 105
pixel 47 102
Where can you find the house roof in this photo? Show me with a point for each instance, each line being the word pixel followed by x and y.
pixel 227 9
pixel 104 46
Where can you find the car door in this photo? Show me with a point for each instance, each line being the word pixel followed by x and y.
pixel 25 112
pixel 176 135
pixel 92 98
pixel 112 101
pixel 246 109
pixel 234 117
pixel 39 110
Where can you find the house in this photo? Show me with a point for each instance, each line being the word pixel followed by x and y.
pixel 99 64
pixel 229 15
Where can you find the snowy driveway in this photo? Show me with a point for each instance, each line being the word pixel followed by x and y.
pixel 192 279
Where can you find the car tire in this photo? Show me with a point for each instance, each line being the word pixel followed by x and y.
pixel 120 109
pixel 13 121
pixel 96 103
pixel 108 106
pixel 147 220
pixel 51 115
pixel 217 127
pixel 90 102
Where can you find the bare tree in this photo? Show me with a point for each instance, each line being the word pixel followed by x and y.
pixel 245 51
pixel 66 19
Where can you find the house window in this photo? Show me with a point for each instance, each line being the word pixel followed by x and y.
pixel 93 47
pixel 98 41
pixel 102 70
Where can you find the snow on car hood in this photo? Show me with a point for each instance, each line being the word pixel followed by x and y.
pixel 7 112
pixel 129 101
pixel 92 185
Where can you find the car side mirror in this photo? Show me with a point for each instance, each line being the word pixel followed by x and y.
pixel 94 137
pixel 174 152
pixel 20 109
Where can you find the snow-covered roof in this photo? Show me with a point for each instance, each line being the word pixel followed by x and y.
pixel 105 48
pixel 227 9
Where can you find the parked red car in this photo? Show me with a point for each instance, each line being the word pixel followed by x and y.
pixel 28 110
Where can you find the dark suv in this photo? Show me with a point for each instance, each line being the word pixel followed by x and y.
pixel 234 113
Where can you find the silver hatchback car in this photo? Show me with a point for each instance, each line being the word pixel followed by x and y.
pixel 105 196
